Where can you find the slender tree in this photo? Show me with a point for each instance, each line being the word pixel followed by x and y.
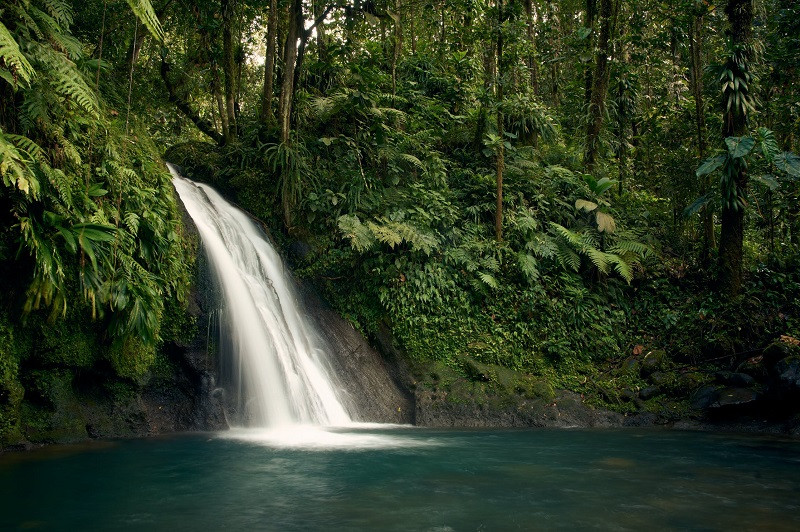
pixel 229 66
pixel 737 105
pixel 599 89
pixel 269 63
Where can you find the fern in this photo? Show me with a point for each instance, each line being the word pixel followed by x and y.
pixel 529 266
pixel 143 9
pixel 14 59
pixel 15 167
pixel 361 238
pixel 70 83
pixel 60 11
pixel 488 280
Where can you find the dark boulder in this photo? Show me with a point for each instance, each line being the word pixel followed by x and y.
pixel 649 392
pixel 705 397
pixel 735 396
pixel 787 373
pixel 730 378
pixel 653 362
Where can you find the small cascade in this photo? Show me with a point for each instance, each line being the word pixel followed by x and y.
pixel 279 372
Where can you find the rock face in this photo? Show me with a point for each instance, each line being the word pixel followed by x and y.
pixel 375 384
pixel 566 410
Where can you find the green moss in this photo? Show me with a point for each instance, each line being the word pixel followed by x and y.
pixel 131 358
pixel 11 390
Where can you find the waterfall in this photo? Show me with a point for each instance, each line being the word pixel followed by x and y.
pixel 279 361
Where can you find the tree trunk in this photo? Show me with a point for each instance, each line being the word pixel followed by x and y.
pixel 217 90
pixel 398 46
pixel 533 66
pixel 498 219
pixel 289 63
pixel 591 8
pixel 229 66
pixel 269 64
pixel 740 17
pixel 599 90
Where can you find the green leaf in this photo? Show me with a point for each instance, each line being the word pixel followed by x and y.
pixel 603 185
pixel 697 205
pixel 97 190
pixel 95 232
pixel 739 146
pixel 788 162
pixel 710 164
pixel 769 146
pixel 768 180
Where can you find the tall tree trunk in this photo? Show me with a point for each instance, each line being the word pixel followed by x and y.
pixel 498 218
pixel 398 45
pixel 229 66
pixel 591 8
pixel 599 90
pixel 533 65
pixel 412 29
pixel 740 17
pixel 216 89
pixel 696 51
pixel 289 64
pixel 269 63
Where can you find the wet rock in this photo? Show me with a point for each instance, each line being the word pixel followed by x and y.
pixel 788 373
pixel 688 382
pixel 705 397
pixel 628 394
pixel 643 419
pixel 652 362
pixel 649 392
pixel 731 396
pixel 631 366
pixel 299 251
pixel 730 378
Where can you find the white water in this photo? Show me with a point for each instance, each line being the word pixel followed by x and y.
pixel 279 357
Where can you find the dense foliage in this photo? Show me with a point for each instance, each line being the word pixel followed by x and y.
pixel 90 245
pixel 551 187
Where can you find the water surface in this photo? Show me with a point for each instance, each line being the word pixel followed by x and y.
pixel 378 478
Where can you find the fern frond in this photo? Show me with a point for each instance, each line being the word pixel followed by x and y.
pixel 60 11
pixel 573 238
pixel 143 9
pixel 598 258
pixel 488 280
pixel 413 160
pixel 622 267
pixel 13 58
pixel 639 249
pixel 361 238
pixel 567 257
pixel 31 148
pixel 529 266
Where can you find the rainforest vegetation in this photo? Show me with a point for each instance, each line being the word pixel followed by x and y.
pixel 563 190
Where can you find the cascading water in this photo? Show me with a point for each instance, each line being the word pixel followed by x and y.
pixel 278 356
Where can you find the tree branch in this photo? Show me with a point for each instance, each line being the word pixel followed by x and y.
pixel 182 105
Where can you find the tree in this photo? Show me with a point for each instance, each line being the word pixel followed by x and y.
pixel 599 87
pixel 738 105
